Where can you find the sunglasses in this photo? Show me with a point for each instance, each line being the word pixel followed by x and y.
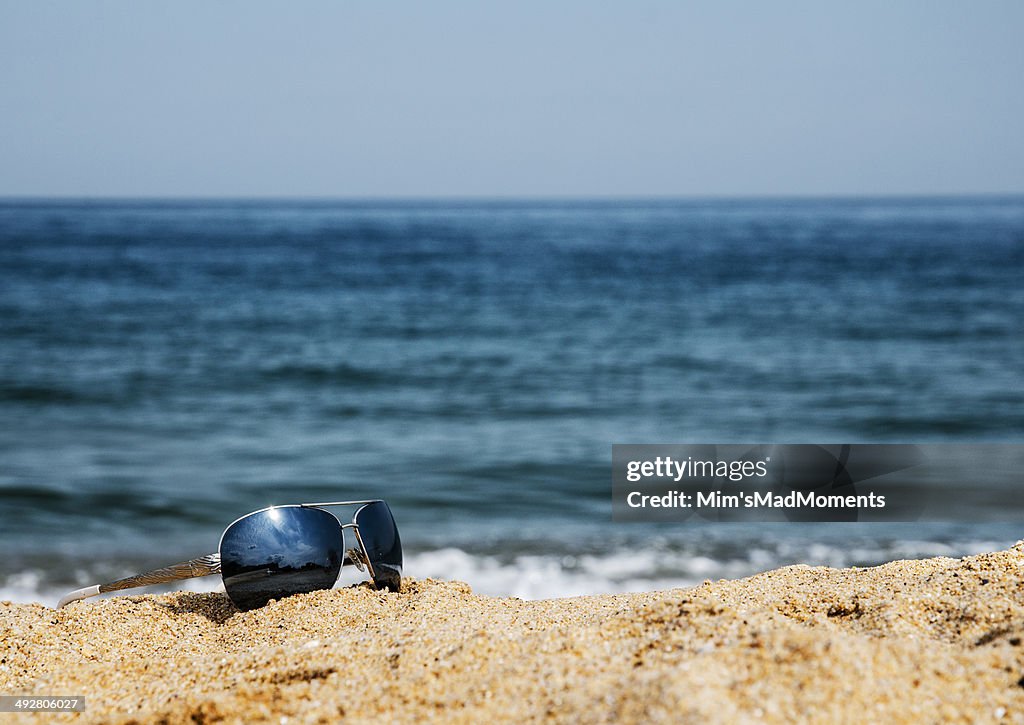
pixel 283 550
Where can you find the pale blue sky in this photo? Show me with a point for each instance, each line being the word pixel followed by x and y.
pixel 534 99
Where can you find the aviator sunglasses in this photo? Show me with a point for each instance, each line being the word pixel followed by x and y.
pixel 283 550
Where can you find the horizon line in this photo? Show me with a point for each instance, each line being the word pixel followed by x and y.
pixel 507 199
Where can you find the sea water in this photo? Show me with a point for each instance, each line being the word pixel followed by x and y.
pixel 166 366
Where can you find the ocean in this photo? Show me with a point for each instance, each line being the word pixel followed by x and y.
pixel 167 366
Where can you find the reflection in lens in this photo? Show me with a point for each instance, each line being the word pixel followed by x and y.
pixel 278 552
pixel 382 544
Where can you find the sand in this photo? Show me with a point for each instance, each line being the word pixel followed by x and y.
pixel 937 640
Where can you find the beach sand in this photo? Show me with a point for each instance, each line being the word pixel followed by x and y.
pixel 936 640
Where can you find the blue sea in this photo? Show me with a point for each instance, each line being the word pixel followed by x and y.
pixel 167 366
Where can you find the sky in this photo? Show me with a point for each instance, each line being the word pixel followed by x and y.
pixel 511 99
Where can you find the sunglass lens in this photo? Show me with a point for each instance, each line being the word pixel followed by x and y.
pixel 382 544
pixel 279 552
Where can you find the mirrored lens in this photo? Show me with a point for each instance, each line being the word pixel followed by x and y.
pixel 278 552
pixel 382 544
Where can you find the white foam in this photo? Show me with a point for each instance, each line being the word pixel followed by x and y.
pixel 24 587
pixel 536 576
pixel 629 570
pixel 543 577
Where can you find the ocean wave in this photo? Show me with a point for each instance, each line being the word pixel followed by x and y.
pixel 48 394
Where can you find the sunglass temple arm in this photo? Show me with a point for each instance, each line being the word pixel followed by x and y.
pixel 201 566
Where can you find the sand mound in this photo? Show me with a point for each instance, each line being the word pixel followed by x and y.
pixel 932 640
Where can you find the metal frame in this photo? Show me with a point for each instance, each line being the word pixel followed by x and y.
pixel 209 564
